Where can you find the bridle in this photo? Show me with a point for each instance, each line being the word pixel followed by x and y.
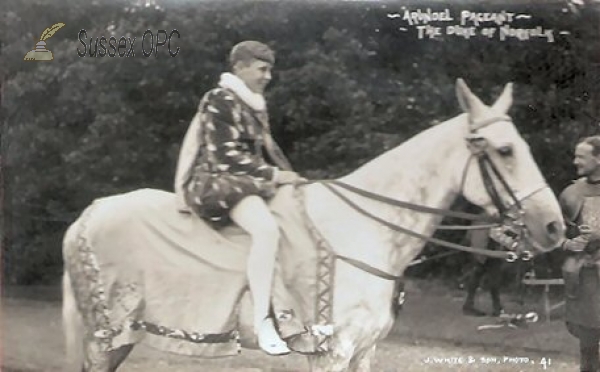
pixel 511 213
pixel 479 148
pixel 507 228
pixel 508 221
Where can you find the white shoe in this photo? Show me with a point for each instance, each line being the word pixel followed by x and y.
pixel 269 340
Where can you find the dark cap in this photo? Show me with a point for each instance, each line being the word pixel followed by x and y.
pixel 248 50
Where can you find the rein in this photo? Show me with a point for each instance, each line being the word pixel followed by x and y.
pixel 412 206
pixel 488 171
pixel 509 256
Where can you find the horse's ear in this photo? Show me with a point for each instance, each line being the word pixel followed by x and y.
pixel 505 100
pixel 461 89
pixel 469 102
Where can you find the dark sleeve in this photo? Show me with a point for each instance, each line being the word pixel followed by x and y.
pixel 570 208
pixel 222 138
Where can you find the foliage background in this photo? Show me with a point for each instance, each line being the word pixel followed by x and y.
pixel 348 85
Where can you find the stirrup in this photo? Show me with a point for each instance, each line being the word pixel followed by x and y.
pixel 269 340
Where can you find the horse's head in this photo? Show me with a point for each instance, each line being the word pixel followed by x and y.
pixel 501 175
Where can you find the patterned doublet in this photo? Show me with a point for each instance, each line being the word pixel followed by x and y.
pixel 230 164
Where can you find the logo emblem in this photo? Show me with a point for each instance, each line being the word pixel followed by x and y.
pixel 40 53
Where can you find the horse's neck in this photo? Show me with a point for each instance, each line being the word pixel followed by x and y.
pixel 422 171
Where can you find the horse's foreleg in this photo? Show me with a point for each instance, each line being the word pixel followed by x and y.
pixel 96 358
pixel 328 363
pixel 118 356
pixel 496 302
pixel 495 274
pixel 362 362
pixel 337 360
pixel 473 284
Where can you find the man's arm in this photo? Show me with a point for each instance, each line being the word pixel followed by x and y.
pixel 575 241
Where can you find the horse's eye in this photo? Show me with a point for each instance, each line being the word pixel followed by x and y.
pixel 505 151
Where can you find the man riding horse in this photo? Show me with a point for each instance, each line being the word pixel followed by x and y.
pixel 180 285
pixel 222 175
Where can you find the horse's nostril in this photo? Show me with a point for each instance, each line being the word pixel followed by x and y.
pixel 552 228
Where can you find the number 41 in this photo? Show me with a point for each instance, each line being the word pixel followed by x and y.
pixel 545 362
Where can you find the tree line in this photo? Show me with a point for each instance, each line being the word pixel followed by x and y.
pixel 348 84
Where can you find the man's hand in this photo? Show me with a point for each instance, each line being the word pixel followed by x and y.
pixel 593 238
pixel 589 233
pixel 577 244
pixel 287 177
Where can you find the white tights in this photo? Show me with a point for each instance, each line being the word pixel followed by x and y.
pixel 253 215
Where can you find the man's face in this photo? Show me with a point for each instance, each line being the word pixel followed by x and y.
pixel 256 74
pixel 585 161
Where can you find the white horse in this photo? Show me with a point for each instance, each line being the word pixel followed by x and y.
pixel 432 169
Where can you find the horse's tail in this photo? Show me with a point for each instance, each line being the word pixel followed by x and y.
pixel 72 326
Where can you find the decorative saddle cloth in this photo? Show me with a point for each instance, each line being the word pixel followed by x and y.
pixel 142 271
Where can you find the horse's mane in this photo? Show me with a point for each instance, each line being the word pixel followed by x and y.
pixel 404 157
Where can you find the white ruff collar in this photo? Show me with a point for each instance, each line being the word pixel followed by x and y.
pixel 254 100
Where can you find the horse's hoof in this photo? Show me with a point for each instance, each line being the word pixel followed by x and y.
pixel 471 311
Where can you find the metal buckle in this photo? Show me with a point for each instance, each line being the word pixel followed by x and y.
pixel 514 216
pixel 476 144
pixel 511 257
pixel 526 255
pixel 532 317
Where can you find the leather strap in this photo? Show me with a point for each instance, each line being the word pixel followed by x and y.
pixel 412 206
pixel 394 227
pixel 368 268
